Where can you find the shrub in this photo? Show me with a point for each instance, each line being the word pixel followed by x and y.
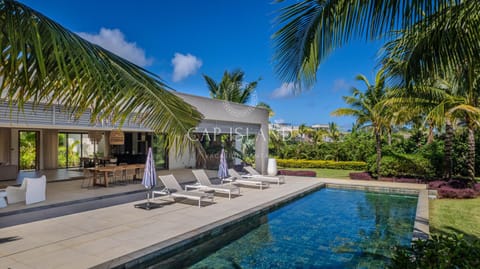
pixel 456 189
pixel 436 184
pixel 477 187
pixel 321 164
pixel 458 184
pixel 300 173
pixel 449 192
pixel 360 176
pixel 403 165
pixel 441 251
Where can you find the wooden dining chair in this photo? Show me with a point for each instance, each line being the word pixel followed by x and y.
pixel 87 178
pixel 130 174
pixel 119 176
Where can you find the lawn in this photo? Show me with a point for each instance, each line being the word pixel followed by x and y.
pixel 327 173
pixel 453 215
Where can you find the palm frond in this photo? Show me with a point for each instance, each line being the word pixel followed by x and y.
pixel 310 29
pixel 41 61
pixel 439 44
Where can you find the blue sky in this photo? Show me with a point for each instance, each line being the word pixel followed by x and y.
pixel 181 40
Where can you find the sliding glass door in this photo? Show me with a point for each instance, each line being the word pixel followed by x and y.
pixel 73 148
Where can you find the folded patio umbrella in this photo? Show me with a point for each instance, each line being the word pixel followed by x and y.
pixel 149 180
pixel 223 167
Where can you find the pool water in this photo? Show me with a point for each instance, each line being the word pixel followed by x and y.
pixel 330 228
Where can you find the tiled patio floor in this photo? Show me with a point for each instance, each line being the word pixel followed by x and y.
pixel 96 237
pixel 70 190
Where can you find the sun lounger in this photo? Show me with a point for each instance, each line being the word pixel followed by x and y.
pixel 252 173
pixel 204 184
pixel 173 189
pixel 236 178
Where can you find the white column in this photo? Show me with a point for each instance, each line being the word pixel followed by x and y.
pixel 261 149
pixel 238 146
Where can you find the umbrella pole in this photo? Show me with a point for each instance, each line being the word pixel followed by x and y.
pixel 148 199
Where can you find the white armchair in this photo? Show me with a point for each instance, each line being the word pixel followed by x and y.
pixel 32 190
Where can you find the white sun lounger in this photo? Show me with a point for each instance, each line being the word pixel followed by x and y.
pixel 173 189
pixel 205 184
pixel 252 173
pixel 236 178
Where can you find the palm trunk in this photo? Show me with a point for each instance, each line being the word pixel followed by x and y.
pixel 447 161
pixel 430 134
pixel 378 141
pixel 471 151
pixel 389 137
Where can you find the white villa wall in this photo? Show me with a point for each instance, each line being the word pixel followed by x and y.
pixel 187 160
pixel 226 112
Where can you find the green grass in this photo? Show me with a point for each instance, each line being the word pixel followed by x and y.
pixel 327 173
pixel 456 215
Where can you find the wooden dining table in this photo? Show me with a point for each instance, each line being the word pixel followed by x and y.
pixel 110 169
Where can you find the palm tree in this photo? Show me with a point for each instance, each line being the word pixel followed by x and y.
pixel 304 131
pixel 439 106
pixel 42 62
pixel 333 132
pixel 369 110
pixel 311 29
pixel 231 87
pixel 431 45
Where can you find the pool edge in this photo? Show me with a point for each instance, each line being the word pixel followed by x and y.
pixel 420 228
pixel 138 257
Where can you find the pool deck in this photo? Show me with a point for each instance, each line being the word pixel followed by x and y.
pixel 111 236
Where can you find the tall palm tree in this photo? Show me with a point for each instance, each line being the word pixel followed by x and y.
pixel 42 62
pixel 309 30
pixel 430 44
pixel 231 87
pixel 440 107
pixel 369 110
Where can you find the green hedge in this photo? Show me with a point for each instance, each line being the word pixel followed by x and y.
pixel 403 165
pixel 321 164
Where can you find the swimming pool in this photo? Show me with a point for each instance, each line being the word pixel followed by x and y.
pixel 330 228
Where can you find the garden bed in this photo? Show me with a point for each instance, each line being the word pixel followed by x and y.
pixel 456 189
pixel 299 173
pixel 368 176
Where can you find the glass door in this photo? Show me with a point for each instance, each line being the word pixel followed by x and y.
pixel 159 149
pixel 28 150
pixel 74 150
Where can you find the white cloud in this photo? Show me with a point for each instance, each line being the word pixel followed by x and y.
pixel 114 41
pixel 340 84
pixel 286 90
pixel 184 65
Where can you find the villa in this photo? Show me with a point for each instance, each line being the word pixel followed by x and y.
pixel 50 125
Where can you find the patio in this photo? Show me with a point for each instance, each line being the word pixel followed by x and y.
pixel 61 190
pixel 114 235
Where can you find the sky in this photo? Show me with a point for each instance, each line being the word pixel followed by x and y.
pixel 182 40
